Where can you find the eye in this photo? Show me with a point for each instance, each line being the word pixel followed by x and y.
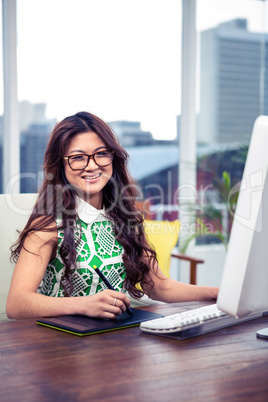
pixel 77 157
pixel 103 153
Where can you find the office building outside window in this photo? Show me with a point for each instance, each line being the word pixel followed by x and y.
pixel 231 82
pixel 125 66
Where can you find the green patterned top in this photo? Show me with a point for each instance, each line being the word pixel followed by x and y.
pixel 97 246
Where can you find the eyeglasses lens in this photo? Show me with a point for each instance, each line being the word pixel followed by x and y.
pixel 78 162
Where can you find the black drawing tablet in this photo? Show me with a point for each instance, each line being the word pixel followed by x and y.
pixel 82 325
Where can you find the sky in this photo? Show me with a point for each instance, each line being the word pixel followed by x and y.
pixel 119 59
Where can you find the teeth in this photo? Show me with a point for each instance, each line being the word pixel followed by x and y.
pixel 91 177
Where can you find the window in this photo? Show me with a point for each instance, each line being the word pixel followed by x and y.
pixel 119 60
pixel 232 45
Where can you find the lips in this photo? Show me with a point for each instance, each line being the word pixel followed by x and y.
pixel 91 177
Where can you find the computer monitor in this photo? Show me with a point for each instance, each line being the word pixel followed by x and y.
pixel 244 285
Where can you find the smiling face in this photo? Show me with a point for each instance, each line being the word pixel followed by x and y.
pixel 89 182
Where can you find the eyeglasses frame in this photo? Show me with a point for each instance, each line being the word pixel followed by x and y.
pixel 89 156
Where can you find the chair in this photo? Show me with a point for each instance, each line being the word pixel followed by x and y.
pixel 163 237
pixel 15 210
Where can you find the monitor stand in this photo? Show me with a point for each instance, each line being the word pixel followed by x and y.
pixel 262 333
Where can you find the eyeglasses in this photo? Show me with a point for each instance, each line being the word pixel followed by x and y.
pixel 81 161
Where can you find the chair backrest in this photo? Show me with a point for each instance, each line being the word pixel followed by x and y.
pixel 15 210
pixel 163 236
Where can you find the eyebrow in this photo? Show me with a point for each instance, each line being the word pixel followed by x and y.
pixel 83 152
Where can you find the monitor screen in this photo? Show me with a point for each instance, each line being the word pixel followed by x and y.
pixel 244 285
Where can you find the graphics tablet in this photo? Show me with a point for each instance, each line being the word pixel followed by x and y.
pixel 82 325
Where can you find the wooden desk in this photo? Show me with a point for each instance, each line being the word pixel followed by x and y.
pixel 41 364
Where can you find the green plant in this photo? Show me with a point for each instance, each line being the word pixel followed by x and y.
pixel 210 219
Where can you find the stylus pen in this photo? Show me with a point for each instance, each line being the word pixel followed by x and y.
pixel 107 283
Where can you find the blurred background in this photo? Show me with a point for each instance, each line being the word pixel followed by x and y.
pixel 180 82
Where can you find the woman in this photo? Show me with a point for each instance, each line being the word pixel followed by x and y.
pixel 85 216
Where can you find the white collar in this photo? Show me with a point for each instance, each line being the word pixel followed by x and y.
pixel 86 212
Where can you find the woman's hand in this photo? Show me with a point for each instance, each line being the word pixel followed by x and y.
pixel 105 304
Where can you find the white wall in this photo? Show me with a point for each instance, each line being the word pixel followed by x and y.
pixel 15 210
pixel 210 272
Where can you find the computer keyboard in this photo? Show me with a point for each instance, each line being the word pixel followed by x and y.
pixel 192 322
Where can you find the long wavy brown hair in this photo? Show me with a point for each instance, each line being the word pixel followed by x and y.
pixel 58 198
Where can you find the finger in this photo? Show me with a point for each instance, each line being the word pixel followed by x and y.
pixel 118 306
pixel 110 311
pixel 122 296
pixel 119 295
pixel 108 315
